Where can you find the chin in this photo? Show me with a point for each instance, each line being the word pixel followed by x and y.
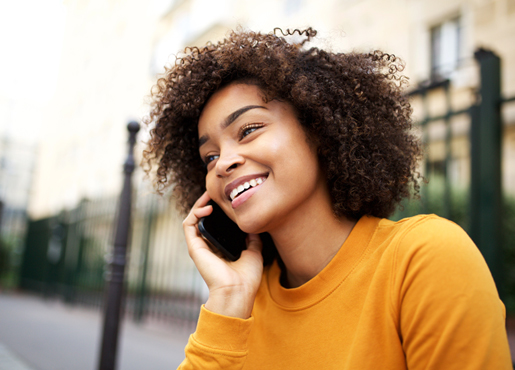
pixel 252 226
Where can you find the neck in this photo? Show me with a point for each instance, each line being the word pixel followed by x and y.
pixel 308 240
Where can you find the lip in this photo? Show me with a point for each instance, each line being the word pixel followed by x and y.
pixel 240 181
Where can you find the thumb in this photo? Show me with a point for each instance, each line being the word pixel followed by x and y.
pixel 254 243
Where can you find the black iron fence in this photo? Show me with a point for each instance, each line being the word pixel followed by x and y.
pixel 65 256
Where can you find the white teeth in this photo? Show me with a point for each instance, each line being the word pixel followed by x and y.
pixel 234 193
pixel 245 186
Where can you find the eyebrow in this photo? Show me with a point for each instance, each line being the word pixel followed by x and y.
pixel 230 119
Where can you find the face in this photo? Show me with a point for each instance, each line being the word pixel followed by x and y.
pixel 260 167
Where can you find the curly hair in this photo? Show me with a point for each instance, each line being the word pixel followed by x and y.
pixel 350 104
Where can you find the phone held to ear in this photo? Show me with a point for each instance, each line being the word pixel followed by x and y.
pixel 225 235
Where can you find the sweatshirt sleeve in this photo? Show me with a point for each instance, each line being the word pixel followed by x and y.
pixel 451 316
pixel 220 342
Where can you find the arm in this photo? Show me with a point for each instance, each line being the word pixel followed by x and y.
pixel 451 316
pixel 220 341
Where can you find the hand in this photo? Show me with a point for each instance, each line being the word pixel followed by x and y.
pixel 232 285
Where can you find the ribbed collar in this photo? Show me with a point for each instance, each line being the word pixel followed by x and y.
pixel 336 271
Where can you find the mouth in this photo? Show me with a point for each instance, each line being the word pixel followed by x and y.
pixel 241 185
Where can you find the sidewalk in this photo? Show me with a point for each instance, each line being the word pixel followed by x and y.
pixel 48 335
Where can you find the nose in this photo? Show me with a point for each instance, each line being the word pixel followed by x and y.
pixel 228 162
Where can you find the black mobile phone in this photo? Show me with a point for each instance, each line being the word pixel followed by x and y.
pixel 223 233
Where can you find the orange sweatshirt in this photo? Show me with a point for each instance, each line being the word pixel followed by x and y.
pixel 413 294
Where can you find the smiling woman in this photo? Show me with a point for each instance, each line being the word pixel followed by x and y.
pixel 315 149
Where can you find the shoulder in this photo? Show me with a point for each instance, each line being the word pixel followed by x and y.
pixel 425 227
pixel 431 253
pixel 429 236
pixel 444 296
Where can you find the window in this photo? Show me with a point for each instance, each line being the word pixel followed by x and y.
pixel 445 48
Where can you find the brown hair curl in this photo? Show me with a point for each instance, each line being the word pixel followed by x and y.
pixel 350 104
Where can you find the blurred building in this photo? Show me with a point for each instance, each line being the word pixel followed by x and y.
pixel 103 80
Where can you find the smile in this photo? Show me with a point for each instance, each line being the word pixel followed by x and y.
pixel 245 186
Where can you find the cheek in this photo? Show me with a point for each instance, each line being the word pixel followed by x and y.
pixel 211 185
pixel 294 154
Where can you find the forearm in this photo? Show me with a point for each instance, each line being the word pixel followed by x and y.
pixel 219 342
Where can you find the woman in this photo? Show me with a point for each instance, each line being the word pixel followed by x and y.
pixel 323 141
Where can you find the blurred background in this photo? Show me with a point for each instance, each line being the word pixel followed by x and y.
pixel 74 72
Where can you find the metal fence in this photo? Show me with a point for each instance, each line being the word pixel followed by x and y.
pixel 65 256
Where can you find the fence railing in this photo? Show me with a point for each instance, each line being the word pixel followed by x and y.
pixel 65 256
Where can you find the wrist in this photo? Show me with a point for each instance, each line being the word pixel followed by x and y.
pixel 230 304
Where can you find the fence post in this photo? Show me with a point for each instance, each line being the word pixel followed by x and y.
pixel 485 155
pixel 115 278
pixel 447 196
pixel 140 304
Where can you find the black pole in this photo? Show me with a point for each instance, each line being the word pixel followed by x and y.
pixel 115 278
pixel 485 147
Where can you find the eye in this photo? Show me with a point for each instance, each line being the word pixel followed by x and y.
pixel 210 158
pixel 248 129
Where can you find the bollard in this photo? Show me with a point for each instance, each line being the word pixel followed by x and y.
pixel 115 277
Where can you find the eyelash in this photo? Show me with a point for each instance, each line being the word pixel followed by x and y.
pixel 241 136
pixel 247 127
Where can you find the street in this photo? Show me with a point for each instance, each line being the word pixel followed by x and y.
pixel 48 335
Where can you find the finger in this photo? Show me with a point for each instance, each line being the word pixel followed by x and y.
pixel 202 200
pixel 214 249
pixel 202 212
pixel 191 231
pixel 200 209
pixel 190 224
